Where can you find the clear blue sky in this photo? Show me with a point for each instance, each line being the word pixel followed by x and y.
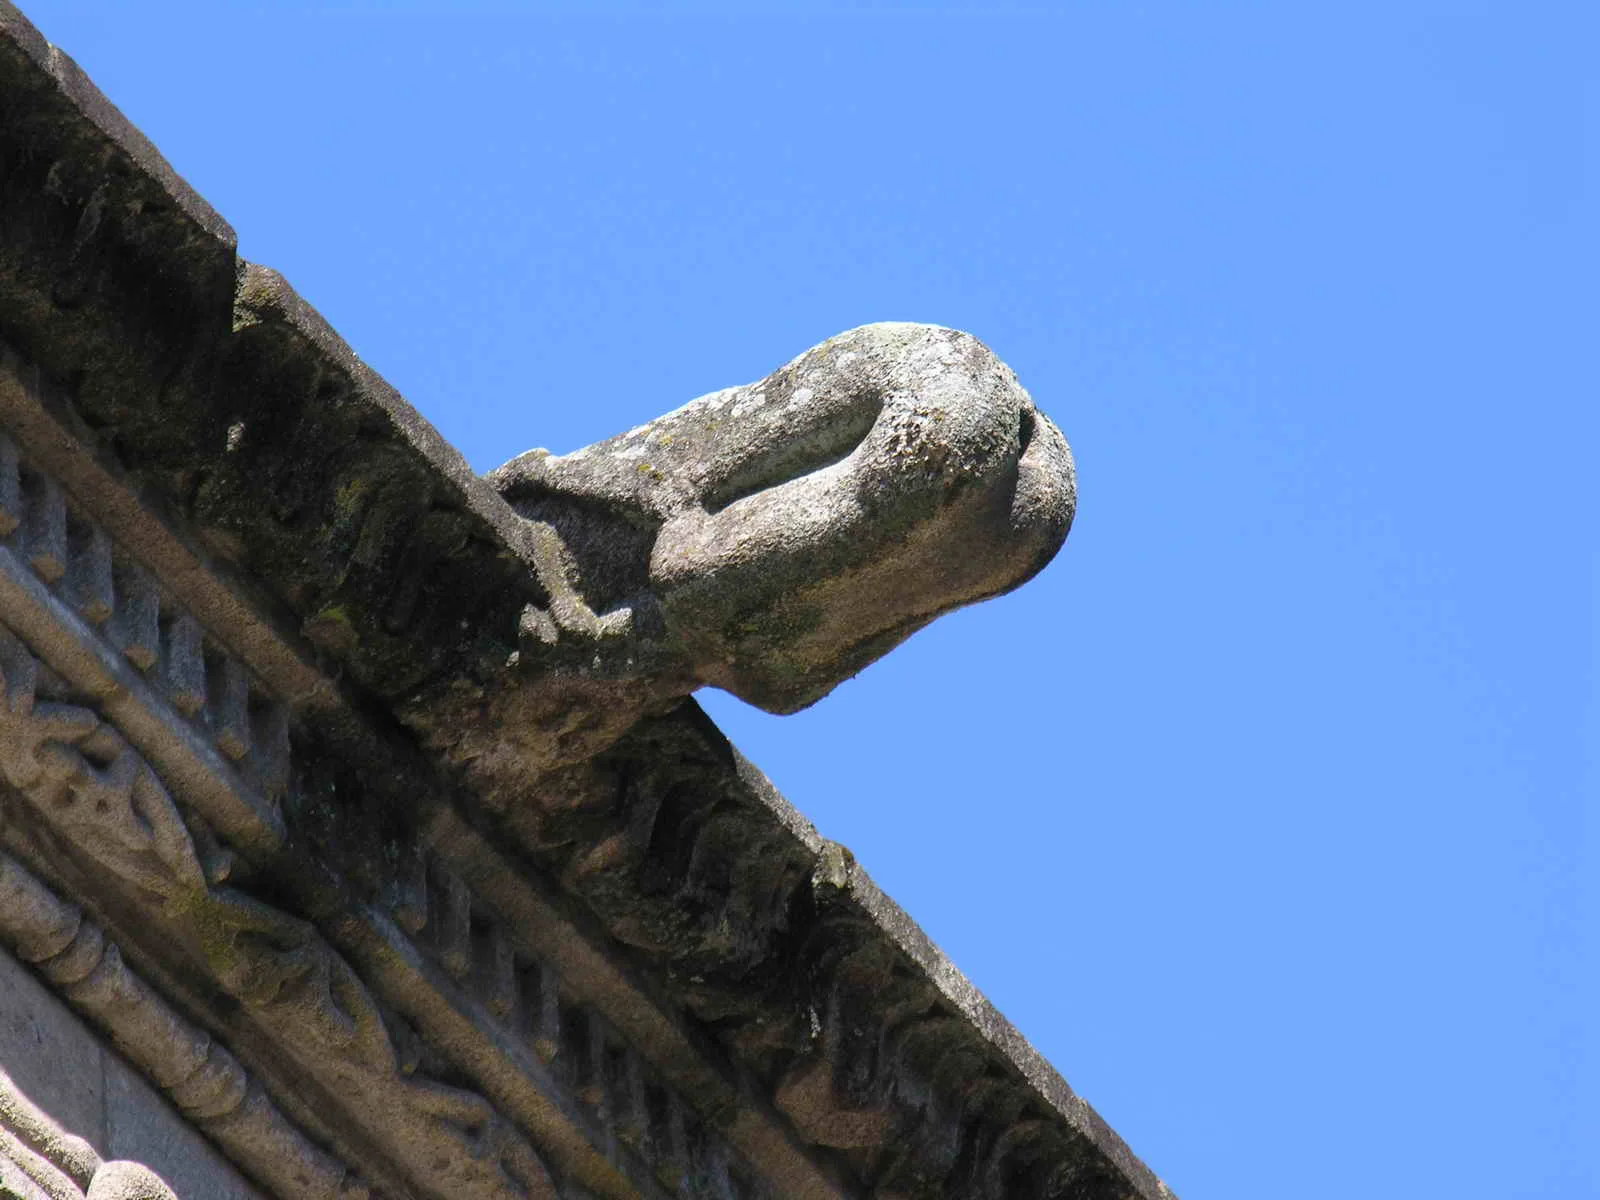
pixel 1263 812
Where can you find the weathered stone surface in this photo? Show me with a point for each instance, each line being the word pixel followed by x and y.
pixel 133 1181
pixel 774 539
pixel 261 480
pixel 51 1057
pixel 866 1036
pixel 141 1126
pixel 67 1104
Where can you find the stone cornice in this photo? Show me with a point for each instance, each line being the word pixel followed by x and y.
pixel 643 974
pixel 415 957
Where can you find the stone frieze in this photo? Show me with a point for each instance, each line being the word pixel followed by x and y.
pixel 137 667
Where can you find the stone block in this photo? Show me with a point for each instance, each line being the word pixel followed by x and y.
pixel 50 1055
pixel 141 1125
pixel 60 1064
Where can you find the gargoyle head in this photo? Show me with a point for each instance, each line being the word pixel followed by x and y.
pixel 774 539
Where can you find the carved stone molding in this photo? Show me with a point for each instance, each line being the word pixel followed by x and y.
pixel 96 798
pixel 873 1045
pixel 193 706
pixel 200 1077
pixel 471 981
pixel 102 801
pixel 124 604
pixel 40 1159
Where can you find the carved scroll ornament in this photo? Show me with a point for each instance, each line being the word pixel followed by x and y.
pixel 92 791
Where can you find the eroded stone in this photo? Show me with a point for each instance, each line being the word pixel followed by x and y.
pixel 776 538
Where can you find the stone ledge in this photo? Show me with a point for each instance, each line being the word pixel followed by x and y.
pixel 92 107
pixel 866 1035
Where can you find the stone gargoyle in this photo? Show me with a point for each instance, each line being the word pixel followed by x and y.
pixel 774 539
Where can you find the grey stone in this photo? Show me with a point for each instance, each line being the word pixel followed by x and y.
pixel 774 539
pixel 285 497
pixel 63 1100
pixel 49 1055
pixel 91 106
pixel 57 1062
pixel 32 1139
pixel 131 1181
pixel 141 1125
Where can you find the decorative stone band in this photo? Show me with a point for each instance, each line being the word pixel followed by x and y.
pixel 146 657
pixel 95 803
pixel 525 1012
pixel 201 1078
pixel 872 1044
pixel 180 709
